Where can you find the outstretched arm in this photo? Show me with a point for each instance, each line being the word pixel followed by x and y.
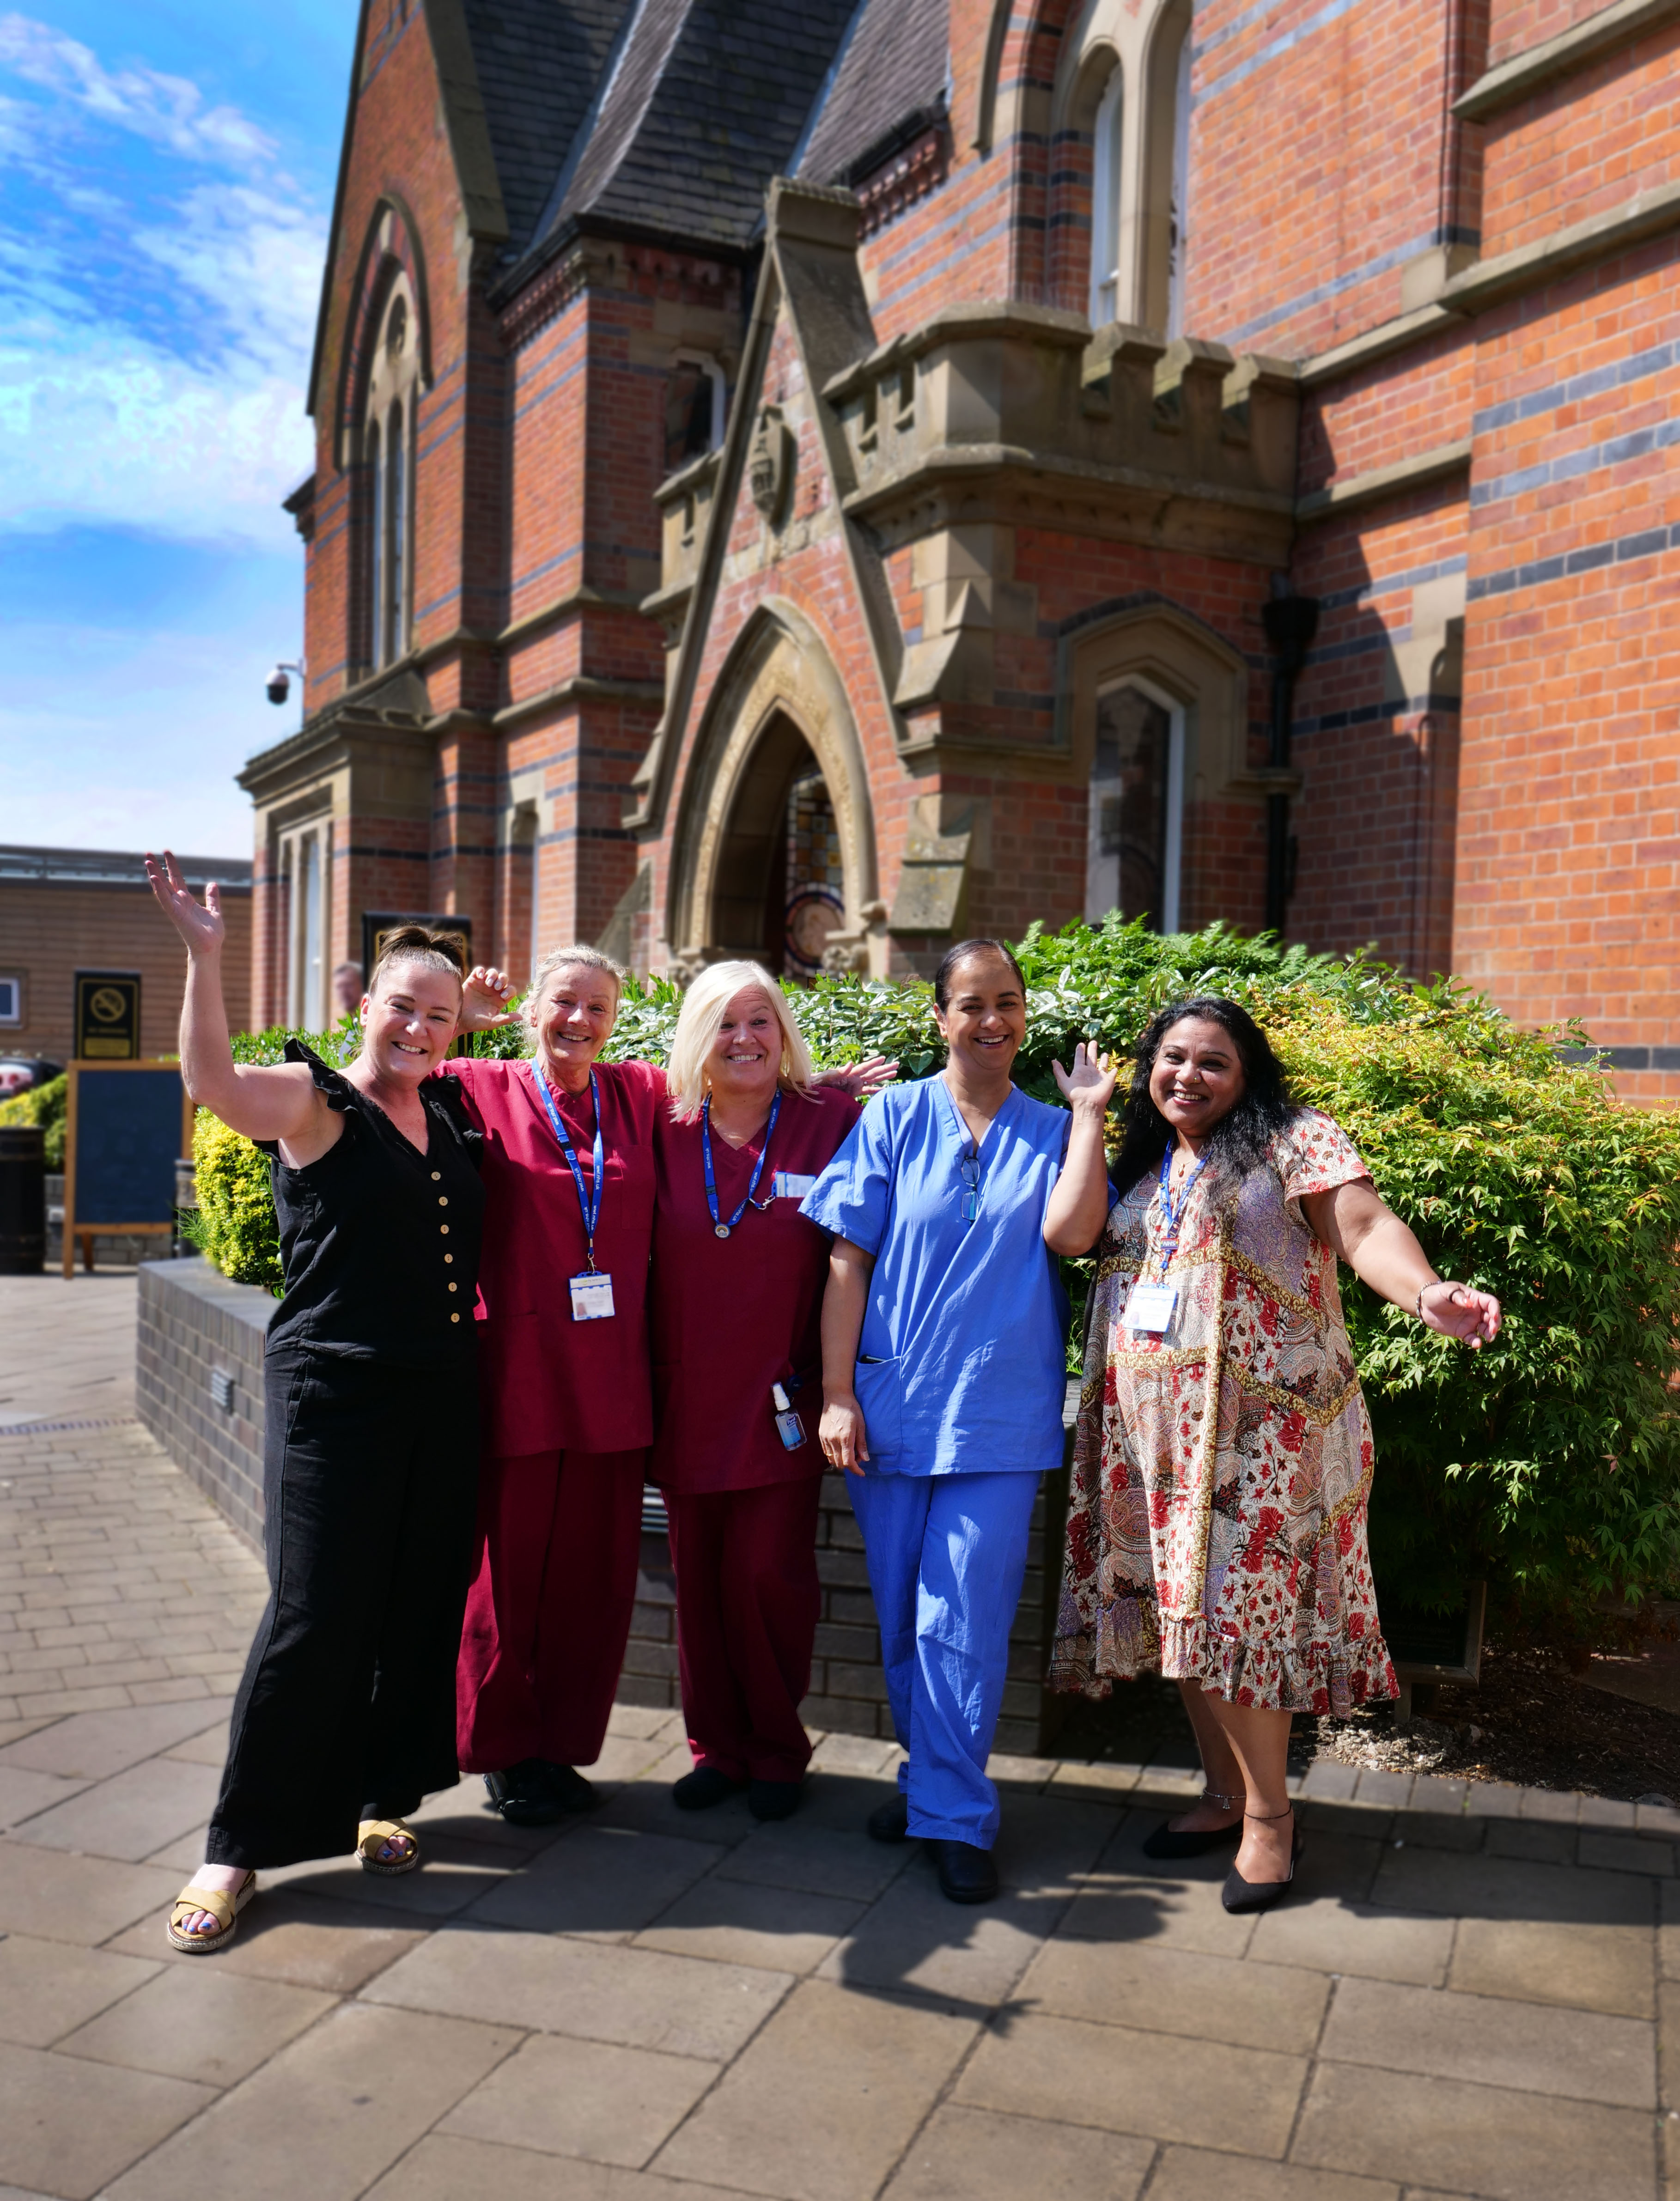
pixel 276 1103
pixel 1362 1230
pixel 1078 1204
pixel 842 1434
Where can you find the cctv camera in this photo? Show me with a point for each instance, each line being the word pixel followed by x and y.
pixel 280 686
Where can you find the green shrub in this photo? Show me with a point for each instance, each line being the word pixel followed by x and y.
pixel 1548 1464
pixel 234 1225
pixel 44 1105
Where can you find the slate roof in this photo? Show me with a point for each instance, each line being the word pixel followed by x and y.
pixel 670 117
pixel 539 62
pixel 891 74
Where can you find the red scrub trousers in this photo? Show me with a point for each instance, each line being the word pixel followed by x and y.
pixel 548 1613
pixel 746 1605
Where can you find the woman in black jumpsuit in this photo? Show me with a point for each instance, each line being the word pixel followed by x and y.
pixel 345 1716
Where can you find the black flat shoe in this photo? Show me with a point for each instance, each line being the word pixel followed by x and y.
pixel 774 1800
pixel 890 1822
pixel 1163 1843
pixel 536 1793
pixel 1240 1894
pixel 703 1788
pixel 966 1873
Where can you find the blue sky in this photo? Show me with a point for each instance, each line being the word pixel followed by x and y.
pixel 166 180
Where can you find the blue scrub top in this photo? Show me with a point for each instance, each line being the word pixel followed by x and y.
pixel 961 1363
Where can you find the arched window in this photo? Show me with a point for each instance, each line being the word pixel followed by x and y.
pixel 1108 174
pixel 388 454
pixel 1126 80
pixel 1135 837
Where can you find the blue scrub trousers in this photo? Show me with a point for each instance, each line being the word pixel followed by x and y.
pixel 947 1554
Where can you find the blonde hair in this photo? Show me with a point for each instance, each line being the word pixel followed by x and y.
pixel 558 958
pixel 697 1027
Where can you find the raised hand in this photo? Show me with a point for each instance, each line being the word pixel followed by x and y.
pixel 485 998
pixel 858 1080
pixel 1458 1311
pixel 201 927
pixel 1090 1083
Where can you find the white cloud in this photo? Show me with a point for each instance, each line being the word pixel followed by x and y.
pixel 167 111
pixel 155 326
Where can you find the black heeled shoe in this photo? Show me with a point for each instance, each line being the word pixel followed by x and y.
pixel 1166 1843
pixel 1240 1894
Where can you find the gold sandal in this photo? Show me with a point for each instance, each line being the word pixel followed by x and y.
pixel 371 1837
pixel 221 1904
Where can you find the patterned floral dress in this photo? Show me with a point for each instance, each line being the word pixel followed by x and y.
pixel 1216 1524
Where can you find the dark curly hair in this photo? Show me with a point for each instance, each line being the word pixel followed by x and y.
pixel 1239 1137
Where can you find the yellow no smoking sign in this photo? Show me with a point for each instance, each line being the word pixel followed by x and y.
pixel 107 1016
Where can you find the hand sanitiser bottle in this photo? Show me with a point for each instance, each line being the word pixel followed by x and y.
pixel 789 1427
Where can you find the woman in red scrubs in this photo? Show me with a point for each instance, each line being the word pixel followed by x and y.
pixel 738 1285
pixel 568 1170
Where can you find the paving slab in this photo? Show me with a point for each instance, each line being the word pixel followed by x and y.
pixel 1328 1935
pixel 1251 2006
pixel 786 1930
pixel 824 2101
pixel 1496 2042
pixel 327 2115
pixel 976 2155
pixel 1509 1887
pixel 94 1745
pixel 209 1748
pixel 822 1860
pixel 129 1816
pixel 209 2024
pixel 584 2098
pixel 47 1990
pixel 639 1997
pixel 606 1882
pixel 1180 1908
pixel 1598 1968
pixel 59 2134
pixel 23 1792
pixel 1195 2174
pixel 969 1954
pixel 74 1899
pixel 1159 2085
pixel 300 1938
pixel 1453 2138
pixel 445 2168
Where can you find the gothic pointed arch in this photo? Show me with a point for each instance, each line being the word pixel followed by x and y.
pixel 391 255
pixel 778 698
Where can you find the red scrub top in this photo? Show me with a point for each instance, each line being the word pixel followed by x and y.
pixel 732 1316
pixel 548 1383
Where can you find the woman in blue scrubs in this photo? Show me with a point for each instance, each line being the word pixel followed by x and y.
pixel 943 1329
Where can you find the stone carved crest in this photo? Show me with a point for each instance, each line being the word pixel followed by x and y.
pixel 770 465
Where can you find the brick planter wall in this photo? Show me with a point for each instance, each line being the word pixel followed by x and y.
pixel 194 1323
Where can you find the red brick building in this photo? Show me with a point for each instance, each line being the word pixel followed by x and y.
pixel 804 481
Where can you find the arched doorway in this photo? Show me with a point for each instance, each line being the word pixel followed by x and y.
pixel 773 847
pixel 779 888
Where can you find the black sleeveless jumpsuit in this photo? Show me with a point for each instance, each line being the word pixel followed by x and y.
pixel 346 1710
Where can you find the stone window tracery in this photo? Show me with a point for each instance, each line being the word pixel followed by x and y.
pixel 1125 87
pixel 388 459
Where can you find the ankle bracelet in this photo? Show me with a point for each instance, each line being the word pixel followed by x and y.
pixel 1268 1816
pixel 1218 1797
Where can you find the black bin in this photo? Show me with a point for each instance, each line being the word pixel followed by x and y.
pixel 23 1200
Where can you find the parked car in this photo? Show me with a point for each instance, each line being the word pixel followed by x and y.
pixel 20 1073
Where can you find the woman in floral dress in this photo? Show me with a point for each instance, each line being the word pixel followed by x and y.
pixel 1216 1527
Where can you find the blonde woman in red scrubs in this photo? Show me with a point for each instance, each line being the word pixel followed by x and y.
pixel 737 1300
pixel 568 1165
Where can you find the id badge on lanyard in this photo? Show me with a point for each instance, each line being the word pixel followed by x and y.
pixel 592 1291
pixel 592 1297
pixel 1150 1307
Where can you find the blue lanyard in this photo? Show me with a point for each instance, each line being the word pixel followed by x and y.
pixel 1175 1215
pixel 591 1201
pixel 721 1228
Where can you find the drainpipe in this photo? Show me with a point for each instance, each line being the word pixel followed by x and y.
pixel 1290 624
